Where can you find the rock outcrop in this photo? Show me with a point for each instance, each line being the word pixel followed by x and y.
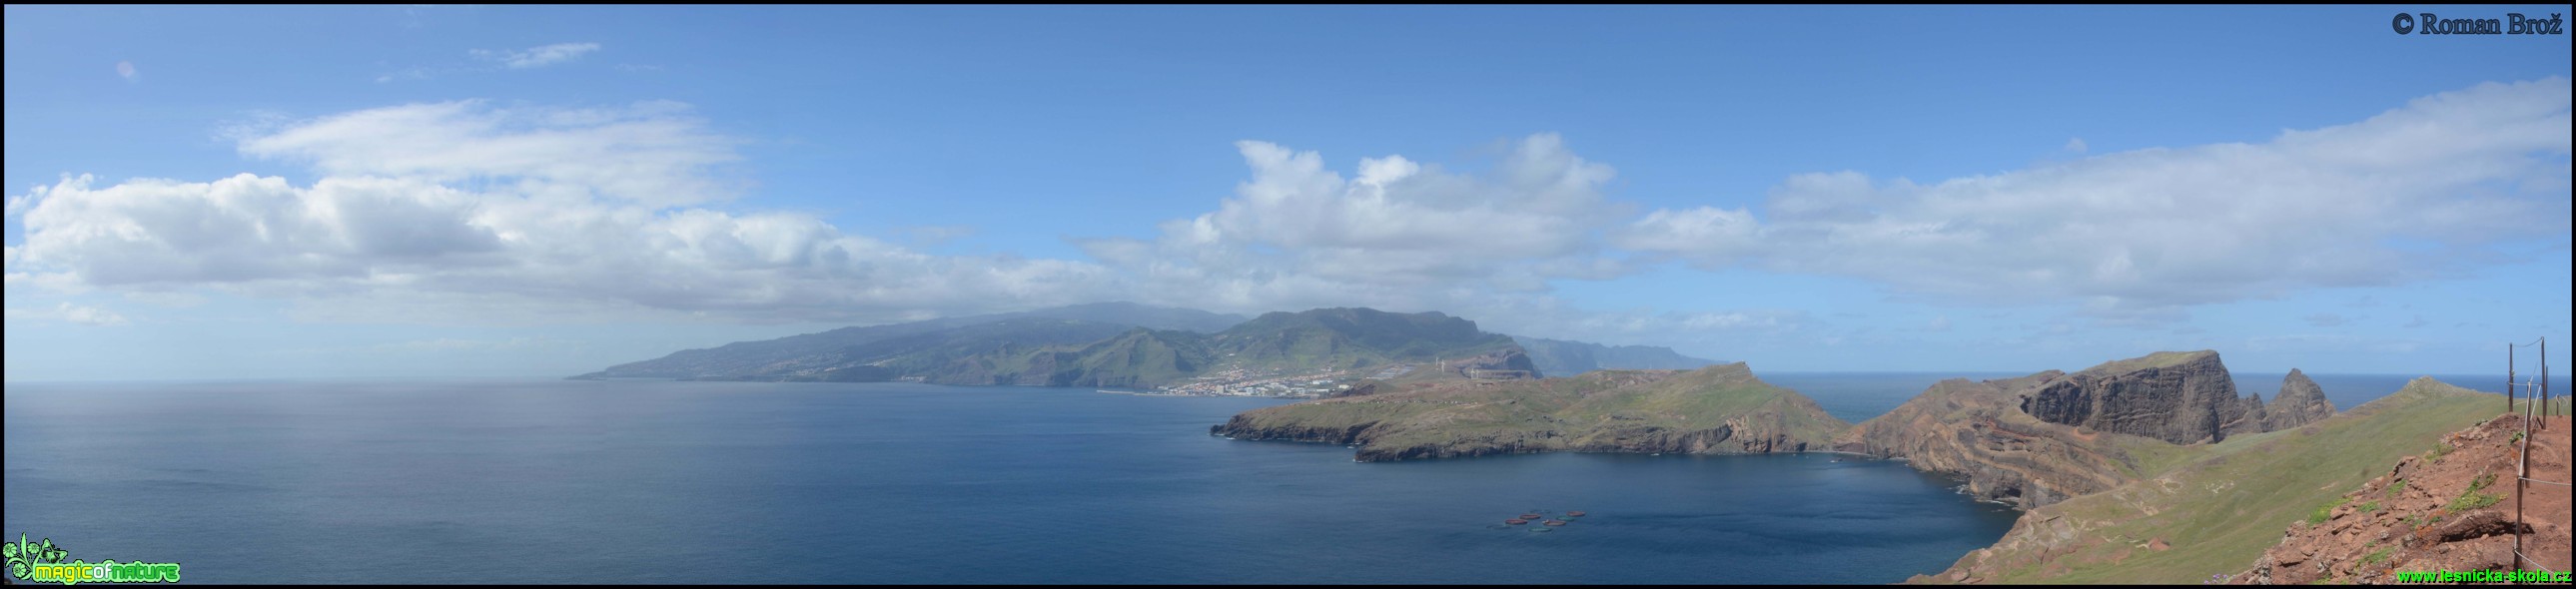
pixel 1976 431
pixel 1503 364
pixel 1714 410
pixel 2178 397
pixel 2043 438
pixel 2300 402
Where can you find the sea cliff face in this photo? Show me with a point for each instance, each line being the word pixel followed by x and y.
pixel 1715 410
pixel 1977 432
pixel 2183 398
pixel 2050 436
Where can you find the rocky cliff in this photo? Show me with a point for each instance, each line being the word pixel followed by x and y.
pixel 1715 410
pixel 2300 402
pixel 2043 438
pixel 1976 431
pixel 2178 397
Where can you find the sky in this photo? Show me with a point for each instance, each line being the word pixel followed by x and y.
pixel 508 191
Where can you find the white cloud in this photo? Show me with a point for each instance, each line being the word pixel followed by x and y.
pixel 1398 233
pixel 469 210
pixel 536 56
pixel 436 212
pixel 2076 145
pixel 2422 191
pixel 654 153
pixel 67 312
pixel 125 69
pixel 2326 320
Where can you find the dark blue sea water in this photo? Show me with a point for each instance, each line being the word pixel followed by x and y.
pixel 658 482
pixel 886 483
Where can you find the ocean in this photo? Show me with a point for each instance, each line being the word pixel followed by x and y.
pixel 683 482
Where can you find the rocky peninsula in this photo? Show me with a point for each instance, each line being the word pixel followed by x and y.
pixel 1714 410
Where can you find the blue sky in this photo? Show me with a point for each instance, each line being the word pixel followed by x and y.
pixel 540 191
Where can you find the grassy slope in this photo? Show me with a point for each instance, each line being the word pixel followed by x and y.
pixel 2223 504
pixel 1144 358
pixel 1351 338
pixel 2155 360
pixel 1552 413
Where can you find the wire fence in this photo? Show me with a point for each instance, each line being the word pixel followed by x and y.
pixel 2534 408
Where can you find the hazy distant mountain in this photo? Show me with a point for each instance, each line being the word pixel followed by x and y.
pixel 1108 344
pixel 1319 339
pixel 1566 358
pixel 1132 345
pixel 788 357
pixel 1146 316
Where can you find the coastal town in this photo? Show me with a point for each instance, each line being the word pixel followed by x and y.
pixel 1246 382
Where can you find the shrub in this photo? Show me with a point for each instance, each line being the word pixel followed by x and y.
pixel 2474 500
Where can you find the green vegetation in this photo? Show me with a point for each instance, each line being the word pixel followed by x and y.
pixel 2223 509
pixel 2378 556
pixel 2472 499
pixel 1322 339
pixel 2396 487
pixel 2370 507
pixel 2155 360
pixel 1603 411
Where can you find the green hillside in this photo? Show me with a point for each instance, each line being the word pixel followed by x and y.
pixel 1342 338
pixel 2221 507
pixel 1714 410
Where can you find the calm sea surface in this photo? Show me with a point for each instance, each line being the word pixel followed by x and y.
pixel 654 482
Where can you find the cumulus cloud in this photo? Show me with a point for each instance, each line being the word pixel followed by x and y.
pixel 1397 232
pixel 536 56
pixel 471 208
pixel 463 201
pixel 67 312
pixel 2422 191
